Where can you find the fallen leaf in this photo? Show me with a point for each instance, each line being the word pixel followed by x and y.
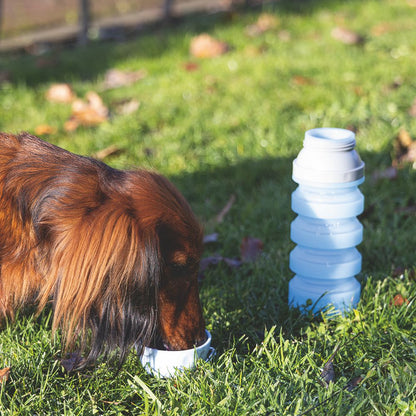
pixel 400 271
pixel 399 300
pixel 70 363
pixel 404 139
pixel 71 125
pixel 211 261
pixel 205 46
pixel 264 23
pixel 115 78
pixel 127 107
pixel 89 112
pixel 190 66
pixel 250 249
pixel 328 373
pixel 60 93
pixel 4 374
pixel 108 151
pixel 346 36
pixel 220 217
pixel 353 383
pixel 44 129
pixel 301 80
pixel 404 149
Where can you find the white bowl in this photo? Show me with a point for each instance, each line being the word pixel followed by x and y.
pixel 164 363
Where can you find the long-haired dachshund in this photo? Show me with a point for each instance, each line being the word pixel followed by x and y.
pixel 115 252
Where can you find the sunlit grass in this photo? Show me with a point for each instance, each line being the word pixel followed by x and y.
pixel 233 126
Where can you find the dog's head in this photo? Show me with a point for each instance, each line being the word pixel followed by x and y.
pixel 172 243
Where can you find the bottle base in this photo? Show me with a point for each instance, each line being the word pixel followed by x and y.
pixel 316 295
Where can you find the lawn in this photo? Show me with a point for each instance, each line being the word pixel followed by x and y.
pixel 231 126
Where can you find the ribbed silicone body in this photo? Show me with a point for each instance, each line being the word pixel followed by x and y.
pixel 326 230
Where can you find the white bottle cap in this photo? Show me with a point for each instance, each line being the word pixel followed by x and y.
pixel 328 157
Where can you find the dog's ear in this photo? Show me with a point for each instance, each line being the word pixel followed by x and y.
pixel 104 278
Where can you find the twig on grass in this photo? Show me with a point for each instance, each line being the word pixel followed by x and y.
pixel 220 217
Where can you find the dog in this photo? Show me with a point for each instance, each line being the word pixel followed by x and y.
pixel 116 253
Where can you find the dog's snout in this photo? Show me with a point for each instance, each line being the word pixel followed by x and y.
pixel 181 322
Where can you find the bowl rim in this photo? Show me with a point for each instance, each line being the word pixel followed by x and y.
pixel 206 344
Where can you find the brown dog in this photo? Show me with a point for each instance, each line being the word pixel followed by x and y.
pixel 116 252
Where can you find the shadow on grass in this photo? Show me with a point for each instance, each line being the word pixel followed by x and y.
pixel 242 302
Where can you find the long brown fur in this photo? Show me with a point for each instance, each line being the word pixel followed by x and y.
pixel 116 252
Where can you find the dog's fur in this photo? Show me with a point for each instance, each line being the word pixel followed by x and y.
pixel 116 252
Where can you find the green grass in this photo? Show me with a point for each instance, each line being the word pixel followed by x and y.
pixel 233 126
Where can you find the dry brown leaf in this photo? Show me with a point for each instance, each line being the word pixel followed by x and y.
pixel 346 36
pixel 211 261
pixel 71 125
pixel 60 93
pixel 205 46
pixel 264 23
pixel 399 300
pixel 115 78
pixel 71 362
pixel 4 374
pixel 89 112
pixel 400 271
pixel 44 129
pixel 250 249
pixel 404 139
pixel 108 151
pixel 301 80
pixel 353 383
pixel 128 107
pixel 190 66
pixel 328 373
pixel 404 149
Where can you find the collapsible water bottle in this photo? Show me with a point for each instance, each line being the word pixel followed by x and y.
pixel 326 230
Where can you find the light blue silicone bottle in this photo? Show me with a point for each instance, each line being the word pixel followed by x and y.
pixel 326 230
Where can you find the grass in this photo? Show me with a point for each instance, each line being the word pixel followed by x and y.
pixel 233 126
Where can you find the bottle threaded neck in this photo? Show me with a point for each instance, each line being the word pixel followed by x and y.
pixel 330 139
